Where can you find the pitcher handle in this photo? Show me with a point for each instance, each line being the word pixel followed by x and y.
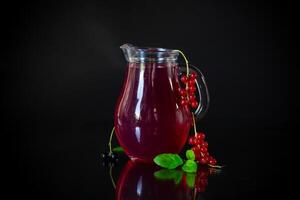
pixel 203 93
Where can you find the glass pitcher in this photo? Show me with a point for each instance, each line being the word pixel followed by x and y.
pixel 149 119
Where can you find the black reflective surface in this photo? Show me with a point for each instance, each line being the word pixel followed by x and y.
pixel 66 164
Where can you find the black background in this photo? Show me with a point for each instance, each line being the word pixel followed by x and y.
pixel 63 72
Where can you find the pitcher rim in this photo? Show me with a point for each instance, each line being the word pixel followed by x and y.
pixel 149 49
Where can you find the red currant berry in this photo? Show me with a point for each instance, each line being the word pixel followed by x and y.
pixel 203 161
pixel 191 82
pixel 198 157
pixel 192 89
pixel 193 75
pixel 206 154
pixel 184 79
pixel 196 150
pixel 212 161
pixel 194 104
pixel 182 92
pixel 183 102
pixel 184 98
pixel 203 149
pixel 201 136
pixel 204 144
pixel 194 137
pixel 192 141
pixel 192 97
pixel 179 90
pixel 198 142
pixel 206 158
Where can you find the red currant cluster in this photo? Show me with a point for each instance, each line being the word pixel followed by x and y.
pixel 188 94
pixel 200 148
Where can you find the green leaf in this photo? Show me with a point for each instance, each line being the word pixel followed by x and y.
pixel 168 160
pixel 190 179
pixel 118 150
pixel 169 174
pixel 190 166
pixel 190 155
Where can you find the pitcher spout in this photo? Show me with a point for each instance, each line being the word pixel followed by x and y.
pixel 127 46
pixel 129 51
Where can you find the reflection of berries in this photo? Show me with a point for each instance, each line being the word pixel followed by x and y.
pixel 203 173
pixel 201 181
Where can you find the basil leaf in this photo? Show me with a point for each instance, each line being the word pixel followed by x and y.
pixel 190 166
pixel 190 179
pixel 169 174
pixel 168 160
pixel 190 155
pixel 118 150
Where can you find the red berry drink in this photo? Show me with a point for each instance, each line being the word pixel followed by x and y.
pixel 149 118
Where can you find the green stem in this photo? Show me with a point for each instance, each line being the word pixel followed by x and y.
pixel 194 123
pixel 186 63
pixel 216 166
pixel 110 138
pixel 187 70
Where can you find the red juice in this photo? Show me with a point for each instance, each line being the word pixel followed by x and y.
pixel 149 119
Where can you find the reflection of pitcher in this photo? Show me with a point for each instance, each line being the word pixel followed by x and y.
pixel 137 181
pixel 149 119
